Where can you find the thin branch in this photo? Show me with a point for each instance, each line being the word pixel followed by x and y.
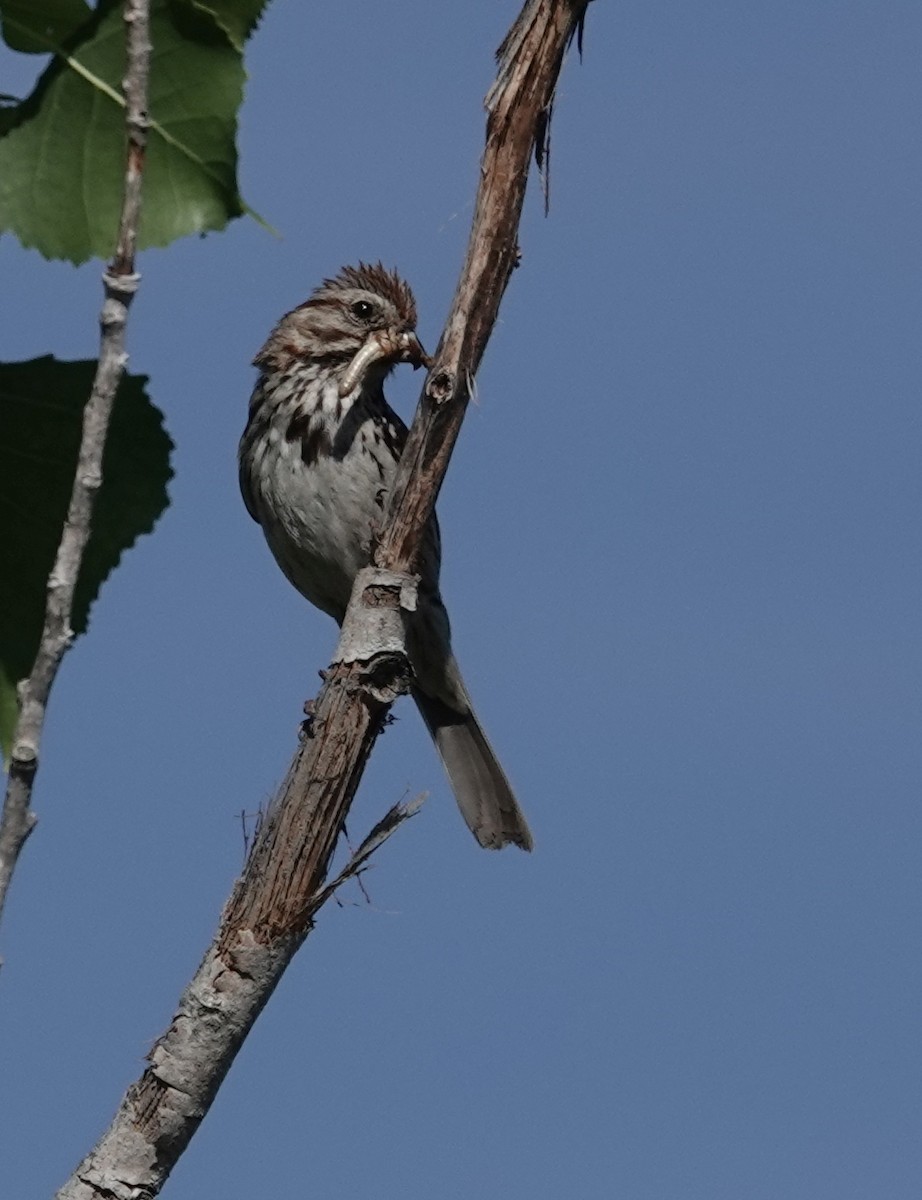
pixel 271 909
pixel 120 283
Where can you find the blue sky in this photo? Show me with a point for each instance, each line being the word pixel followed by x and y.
pixel 682 558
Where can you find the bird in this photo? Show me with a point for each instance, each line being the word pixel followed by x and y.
pixel 317 459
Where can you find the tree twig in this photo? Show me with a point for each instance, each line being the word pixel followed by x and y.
pixel 120 283
pixel 272 906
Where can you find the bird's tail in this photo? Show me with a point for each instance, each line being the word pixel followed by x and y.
pixel 481 788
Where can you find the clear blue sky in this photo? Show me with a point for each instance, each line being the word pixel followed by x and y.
pixel 683 560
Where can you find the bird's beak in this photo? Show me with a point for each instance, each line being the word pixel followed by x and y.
pixel 383 345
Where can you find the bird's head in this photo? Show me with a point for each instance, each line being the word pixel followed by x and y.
pixel 361 323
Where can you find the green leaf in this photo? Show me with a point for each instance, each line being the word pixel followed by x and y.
pixel 238 18
pixel 9 113
pixel 41 409
pixel 62 166
pixel 37 26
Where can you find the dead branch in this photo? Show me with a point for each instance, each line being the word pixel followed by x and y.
pixel 120 283
pixel 271 908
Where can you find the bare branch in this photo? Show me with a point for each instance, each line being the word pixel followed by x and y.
pixel 530 59
pixel 120 284
pixel 272 906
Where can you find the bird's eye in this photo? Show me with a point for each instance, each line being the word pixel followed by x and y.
pixel 363 309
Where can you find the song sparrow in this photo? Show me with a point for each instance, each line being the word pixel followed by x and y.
pixel 317 458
